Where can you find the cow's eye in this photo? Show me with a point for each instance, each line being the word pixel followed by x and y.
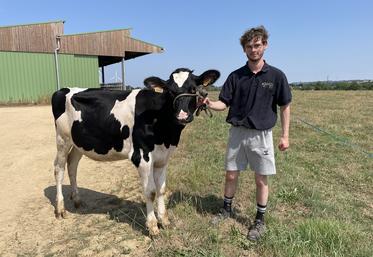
pixel 194 90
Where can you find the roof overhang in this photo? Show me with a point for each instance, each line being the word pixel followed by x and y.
pixel 107 60
pixel 110 46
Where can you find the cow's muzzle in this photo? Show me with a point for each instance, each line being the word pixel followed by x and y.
pixel 201 94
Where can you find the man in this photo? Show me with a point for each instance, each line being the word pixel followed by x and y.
pixel 252 94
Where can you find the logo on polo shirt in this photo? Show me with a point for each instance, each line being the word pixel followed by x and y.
pixel 268 85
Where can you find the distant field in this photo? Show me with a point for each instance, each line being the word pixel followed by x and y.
pixel 320 201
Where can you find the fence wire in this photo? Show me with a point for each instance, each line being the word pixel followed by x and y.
pixel 337 138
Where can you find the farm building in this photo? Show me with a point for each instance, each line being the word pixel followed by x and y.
pixel 37 59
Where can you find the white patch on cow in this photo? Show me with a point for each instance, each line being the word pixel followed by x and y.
pixel 180 77
pixel 145 170
pixel 124 112
pixel 182 115
pixel 161 154
pixel 65 121
pixel 76 115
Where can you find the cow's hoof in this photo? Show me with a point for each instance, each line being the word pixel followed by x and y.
pixel 153 229
pixel 78 204
pixel 154 233
pixel 61 214
pixel 165 222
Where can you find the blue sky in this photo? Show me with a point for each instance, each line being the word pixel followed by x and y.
pixel 309 40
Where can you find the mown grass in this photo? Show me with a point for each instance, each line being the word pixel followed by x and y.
pixel 320 200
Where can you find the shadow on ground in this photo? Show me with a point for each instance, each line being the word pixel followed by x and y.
pixel 134 213
pixel 120 210
pixel 208 204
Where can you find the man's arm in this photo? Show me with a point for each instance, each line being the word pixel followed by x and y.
pixel 285 123
pixel 215 105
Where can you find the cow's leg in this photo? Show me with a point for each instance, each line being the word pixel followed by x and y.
pixel 63 147
pixel 146 174
pixel 160 183
pixel 72 165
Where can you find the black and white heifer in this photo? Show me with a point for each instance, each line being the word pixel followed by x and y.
pixel 141 125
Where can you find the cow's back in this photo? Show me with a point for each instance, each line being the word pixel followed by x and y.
pixel 98 122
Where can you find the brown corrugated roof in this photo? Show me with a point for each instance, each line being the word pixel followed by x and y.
pixel 30 24
pixel 37 37
pixel 110 46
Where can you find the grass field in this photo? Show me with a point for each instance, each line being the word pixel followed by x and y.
pixel 321 200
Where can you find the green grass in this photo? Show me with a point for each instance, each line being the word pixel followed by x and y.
pixel 320 200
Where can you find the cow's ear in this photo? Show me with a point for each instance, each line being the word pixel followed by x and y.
pixel 155 83
pixel 208 77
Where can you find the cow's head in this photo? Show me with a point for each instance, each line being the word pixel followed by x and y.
pixel 185 90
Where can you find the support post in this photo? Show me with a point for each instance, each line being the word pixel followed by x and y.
pixel 103 74
pixel 123 75
pixel 56 62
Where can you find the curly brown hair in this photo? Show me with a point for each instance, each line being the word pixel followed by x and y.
pixel 257 32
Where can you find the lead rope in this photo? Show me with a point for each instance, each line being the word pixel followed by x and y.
pixel 205 108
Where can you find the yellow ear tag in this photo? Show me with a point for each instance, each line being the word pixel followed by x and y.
pixel 206 82
pixel 158 89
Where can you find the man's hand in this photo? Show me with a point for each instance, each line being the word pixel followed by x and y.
pixel 215 105
pixel 284 143
pixel 201 101
pixel 285 123
pixel 206 101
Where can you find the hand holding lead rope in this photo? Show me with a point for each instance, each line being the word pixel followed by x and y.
pixel 202 105
pixel 205 108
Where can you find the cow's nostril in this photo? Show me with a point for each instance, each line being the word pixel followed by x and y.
pixel 182 115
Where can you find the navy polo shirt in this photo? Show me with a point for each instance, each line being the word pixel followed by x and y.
pixel 253 98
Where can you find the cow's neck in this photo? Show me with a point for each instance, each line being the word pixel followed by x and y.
pixel 166 130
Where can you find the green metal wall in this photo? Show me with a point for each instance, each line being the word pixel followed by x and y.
pixel 30 77
pixel 78 71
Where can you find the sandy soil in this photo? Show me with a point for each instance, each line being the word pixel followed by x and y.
pixel 111 223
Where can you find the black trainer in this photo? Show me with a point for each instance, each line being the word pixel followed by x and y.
pixel 222 215
pixel 256 230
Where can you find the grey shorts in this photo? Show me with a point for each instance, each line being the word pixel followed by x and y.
pixel 250 147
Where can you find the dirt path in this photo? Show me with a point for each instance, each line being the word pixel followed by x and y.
pixel 110 223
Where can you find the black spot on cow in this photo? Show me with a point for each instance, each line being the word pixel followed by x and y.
pixel 59 102
pixel 99 130
pixel 155 123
